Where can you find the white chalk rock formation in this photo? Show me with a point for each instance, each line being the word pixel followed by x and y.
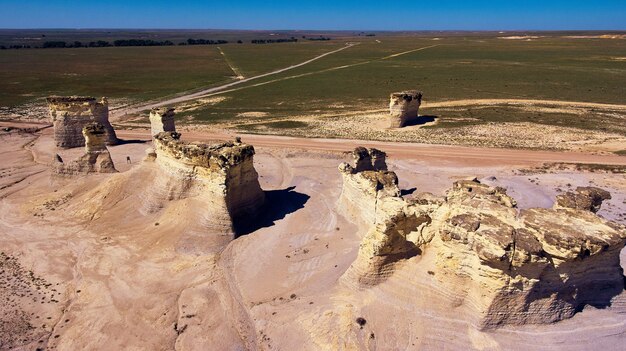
pixel 510 267
pixel 70 114
pixel 200 195
pixel 404 108
pixel 221 175
pixel 96 159
pixel 365 183
pixel 162 120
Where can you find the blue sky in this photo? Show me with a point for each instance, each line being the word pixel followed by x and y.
pixel 338 14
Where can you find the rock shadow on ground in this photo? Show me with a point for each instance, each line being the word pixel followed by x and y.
pixel 278 204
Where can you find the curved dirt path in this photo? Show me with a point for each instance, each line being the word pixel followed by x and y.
pixel 116 113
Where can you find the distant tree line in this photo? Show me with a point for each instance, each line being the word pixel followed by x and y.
pixel 148 42
pixel 121 42
pixel 142 42
pixel 76 44
pixel 2 47
pixel 272 41
pixel 204 42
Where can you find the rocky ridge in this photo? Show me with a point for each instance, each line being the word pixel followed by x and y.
pixel 506 266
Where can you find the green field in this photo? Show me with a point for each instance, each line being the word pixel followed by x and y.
pixel 575 70
pixel 448 67
pixel 584 70
pixel 131 73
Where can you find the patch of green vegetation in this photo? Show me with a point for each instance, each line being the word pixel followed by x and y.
pixel 472 115
pixel 257 59
pixel 553 167
pixel 274 125
pixel 286 124
pixel 592 167
pixel 621 152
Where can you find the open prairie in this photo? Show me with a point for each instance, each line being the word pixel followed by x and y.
pixel 474 84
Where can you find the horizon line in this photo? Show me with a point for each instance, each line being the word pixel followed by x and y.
pixel 319 30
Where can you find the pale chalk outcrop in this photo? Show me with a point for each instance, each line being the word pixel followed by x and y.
pixel 222 176
pixel 162 120
pixel 507 266
pixel 404 108
pixel 368 181
pixel 96 159
pixel 70 114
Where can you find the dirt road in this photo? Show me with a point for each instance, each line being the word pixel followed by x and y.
pixel 116 113
pixel 446 154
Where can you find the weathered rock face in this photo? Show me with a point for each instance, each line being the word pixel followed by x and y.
pixel 96 159
pixel 584 198
pixel 534 266
pixel 222 175
pixel 162 120
pixel 404 107
pixel 365 182
pixel 70 114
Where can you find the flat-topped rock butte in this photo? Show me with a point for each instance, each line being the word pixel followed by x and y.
pixel 69 114
pixel 532 266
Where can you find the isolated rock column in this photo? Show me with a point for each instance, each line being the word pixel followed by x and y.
pixel 96 159
pixel 162 120
pixel 404 107
pixel 69 114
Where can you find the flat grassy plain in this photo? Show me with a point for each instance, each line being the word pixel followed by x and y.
pixel 445 66
pixel 551 69
pixel 139 73
pixel 134 73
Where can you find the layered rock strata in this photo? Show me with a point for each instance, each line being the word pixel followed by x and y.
pixel 508 266
pixel 222 176
pixel 368 181
pixel 584 198
pixel 404 108
pixel 96 159
pixel 70 114
pixel 162 120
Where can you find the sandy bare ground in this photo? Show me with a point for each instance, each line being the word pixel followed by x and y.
pixel 119 281
pixel 435 153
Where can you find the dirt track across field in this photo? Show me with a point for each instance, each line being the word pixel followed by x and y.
pixel 138 108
